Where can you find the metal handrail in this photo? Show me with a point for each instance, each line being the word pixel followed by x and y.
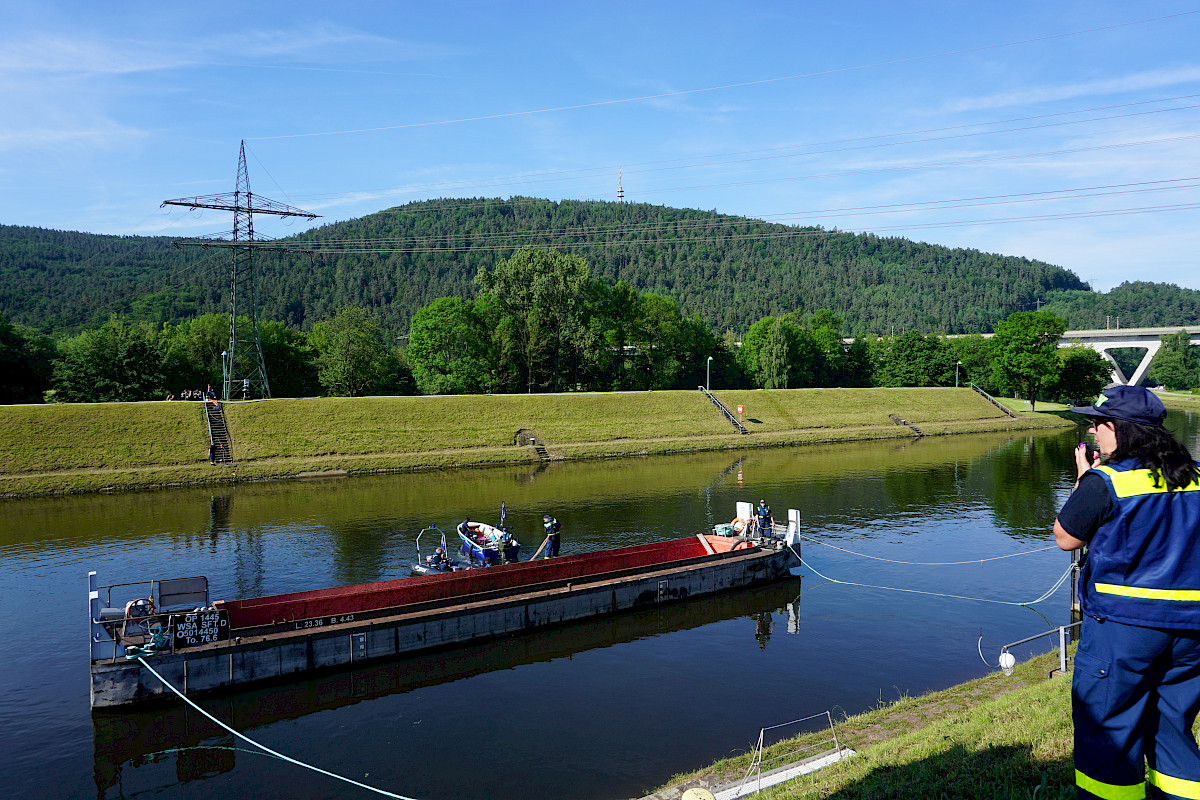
pixel 208 422
pixel 1061 630
pixel 756 762
pixel 721 406
pixel 994 401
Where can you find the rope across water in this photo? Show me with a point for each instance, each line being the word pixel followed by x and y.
pixel 263 747
pixel 1062 578
pixel 929 563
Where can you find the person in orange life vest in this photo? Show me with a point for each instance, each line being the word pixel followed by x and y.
pixel 1136 684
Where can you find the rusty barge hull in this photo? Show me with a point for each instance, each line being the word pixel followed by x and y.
pixel 271 638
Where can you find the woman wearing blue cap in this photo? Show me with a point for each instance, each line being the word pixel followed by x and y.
pixel 1136 686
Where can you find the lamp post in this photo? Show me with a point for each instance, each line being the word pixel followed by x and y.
pixel 707 372
pixel 956 366
pixel 225 374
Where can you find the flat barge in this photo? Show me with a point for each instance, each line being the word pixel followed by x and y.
pixel 201 647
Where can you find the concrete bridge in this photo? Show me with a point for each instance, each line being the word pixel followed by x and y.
pixel 1104 340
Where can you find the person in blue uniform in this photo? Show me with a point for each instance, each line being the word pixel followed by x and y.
pixel 1136 686
pixel 551 527
pixel 763 518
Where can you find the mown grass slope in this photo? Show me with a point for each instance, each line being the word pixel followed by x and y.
pixel 85 447
pixel 994 738
pixel 101 436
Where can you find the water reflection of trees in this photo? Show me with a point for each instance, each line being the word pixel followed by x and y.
pixel 1027 477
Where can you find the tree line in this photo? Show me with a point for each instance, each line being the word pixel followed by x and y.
pixel 540 321
pixel 728 269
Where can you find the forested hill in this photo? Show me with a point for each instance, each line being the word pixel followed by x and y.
pixel 731 270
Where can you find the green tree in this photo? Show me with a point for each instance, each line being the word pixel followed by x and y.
pixel 116 362
pixel 697 343
pixel 856 366
pixel 832 368
pixel 774 358
pixel 26 357
pixel 1024 350
pixel 450 348
pixel 975 353
pixel 1082 374
pixel 1176 365
pixel 354 357
pixel 192 352
pixel 541 293
pixel 290 359
pixel 912 359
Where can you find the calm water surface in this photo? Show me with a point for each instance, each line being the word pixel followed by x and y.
pixel 607 709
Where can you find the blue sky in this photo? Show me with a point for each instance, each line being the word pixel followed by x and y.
pixel 1067 132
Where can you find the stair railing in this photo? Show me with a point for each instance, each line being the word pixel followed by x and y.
pixel 995 402
pixel 721 406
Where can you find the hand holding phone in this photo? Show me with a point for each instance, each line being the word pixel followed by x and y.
pixel 1089 454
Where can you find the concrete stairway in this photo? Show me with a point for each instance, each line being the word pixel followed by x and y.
pixel 218 434
pixel 725 411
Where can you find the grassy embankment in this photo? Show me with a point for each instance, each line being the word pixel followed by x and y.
pixel 93 447
pixel 994 738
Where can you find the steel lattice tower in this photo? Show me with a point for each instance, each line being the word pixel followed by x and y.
pixel 242 364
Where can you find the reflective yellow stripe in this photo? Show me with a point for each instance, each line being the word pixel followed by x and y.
pixel 1139 481
pixel 1149 594
pixel 1110 791
pixel 1176 786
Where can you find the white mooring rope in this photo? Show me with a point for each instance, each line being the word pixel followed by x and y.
pixel 1049 592
pixel 930 563
pixel 263 747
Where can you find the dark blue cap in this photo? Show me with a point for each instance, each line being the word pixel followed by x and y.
pixel 1130 403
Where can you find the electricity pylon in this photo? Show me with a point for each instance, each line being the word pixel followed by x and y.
pixel 242 364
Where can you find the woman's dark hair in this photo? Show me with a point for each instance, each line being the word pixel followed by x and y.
pixel 1155 449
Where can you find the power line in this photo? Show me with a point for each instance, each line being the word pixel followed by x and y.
pixel 741 85
pixel 725 222
pixel 703 161
pixel 557 237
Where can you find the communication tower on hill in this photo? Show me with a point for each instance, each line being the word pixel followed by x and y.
pixel 242 365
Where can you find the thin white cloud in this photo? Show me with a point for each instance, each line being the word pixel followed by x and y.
pixel 56 54
pixel 103 134
pixel 1141 81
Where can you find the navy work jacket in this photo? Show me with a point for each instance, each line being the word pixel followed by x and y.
pixel 1143 565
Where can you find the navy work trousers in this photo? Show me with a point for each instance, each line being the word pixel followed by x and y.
pixel 1134 695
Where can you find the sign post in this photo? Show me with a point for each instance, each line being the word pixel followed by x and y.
pixel 739 412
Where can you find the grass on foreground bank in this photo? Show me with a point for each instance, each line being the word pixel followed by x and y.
pixel 90 447
pixel 994 738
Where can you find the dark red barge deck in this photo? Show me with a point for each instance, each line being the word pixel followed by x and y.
pixel 231 644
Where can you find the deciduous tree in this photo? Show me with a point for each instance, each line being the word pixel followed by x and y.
pixel 25 363
pixel 1024 351
pixel 353 356
pixel 540 292
pixel 912 359
pixel 114 362
pixel 1082 374
pixel 450 348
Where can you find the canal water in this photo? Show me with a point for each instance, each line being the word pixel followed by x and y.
pixel 916 553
